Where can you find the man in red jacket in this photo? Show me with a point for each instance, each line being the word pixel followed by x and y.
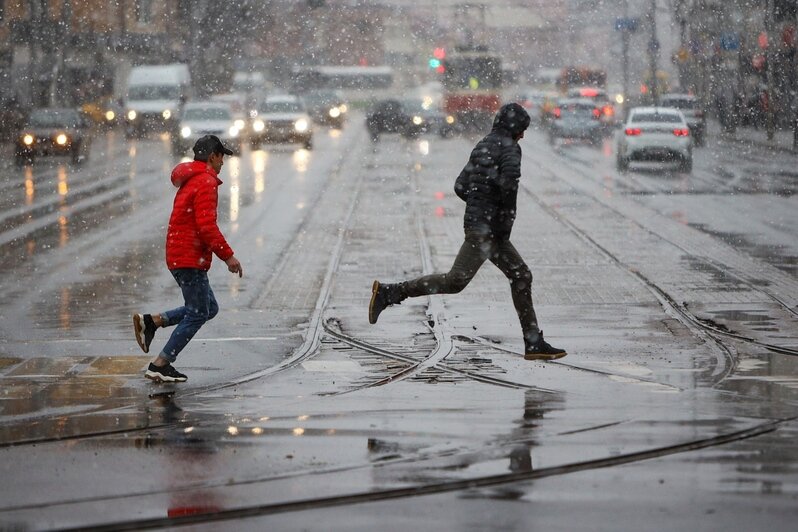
pixel 191 241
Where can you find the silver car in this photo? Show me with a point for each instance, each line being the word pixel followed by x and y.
pixel 207 118
pixel 655 134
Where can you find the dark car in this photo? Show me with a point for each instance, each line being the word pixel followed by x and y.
pixel 390 116
pixel 53 131
pixel 577 118
pixel 692 111
pixel 428 116
pixel 326 107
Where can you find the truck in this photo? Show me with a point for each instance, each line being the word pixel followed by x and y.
pixel 154 96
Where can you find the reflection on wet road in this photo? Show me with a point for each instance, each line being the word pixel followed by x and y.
pixel 297 411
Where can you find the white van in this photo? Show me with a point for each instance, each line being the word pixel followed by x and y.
pixel 154 96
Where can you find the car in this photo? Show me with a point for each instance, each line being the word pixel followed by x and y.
pixel 600 99
pixel 282 118
pixel 390 116
pixel 326 107
pixel 655 134
pixel 692 111
pixel 428 116
pixel 103 112
pixel 53 131
pixel 201 118
pixel 538 103
pixel 577 118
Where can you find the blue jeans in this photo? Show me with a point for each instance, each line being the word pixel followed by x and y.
pixel 200 306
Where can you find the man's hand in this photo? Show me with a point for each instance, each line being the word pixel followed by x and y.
pixel 233 266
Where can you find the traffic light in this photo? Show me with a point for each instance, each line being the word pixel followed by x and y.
pixel 439 53
pixel 434 63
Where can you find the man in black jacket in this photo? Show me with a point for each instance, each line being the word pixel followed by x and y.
pixel 489 186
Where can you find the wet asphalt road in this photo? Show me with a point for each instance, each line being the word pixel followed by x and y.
pixel 675 295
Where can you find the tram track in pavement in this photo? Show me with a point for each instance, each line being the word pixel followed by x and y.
pixel 703 329
pixel 307 349
pixel 310 346
pixel 446 486
pixel 729 270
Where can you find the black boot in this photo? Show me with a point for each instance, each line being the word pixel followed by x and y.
pixel 382 296
pixel 539 349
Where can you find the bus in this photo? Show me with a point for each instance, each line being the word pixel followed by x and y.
pixel 342 77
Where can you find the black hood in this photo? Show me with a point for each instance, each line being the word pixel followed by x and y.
pixel 512 117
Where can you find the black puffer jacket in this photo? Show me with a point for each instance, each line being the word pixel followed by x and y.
pixel 489 182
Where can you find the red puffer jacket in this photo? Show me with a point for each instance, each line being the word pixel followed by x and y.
pixel 193 234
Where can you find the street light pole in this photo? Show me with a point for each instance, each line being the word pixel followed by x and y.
pixel 653 52
pixel 625 52
pixel 769 119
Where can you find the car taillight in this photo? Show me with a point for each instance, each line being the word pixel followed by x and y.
pixel 596 113
pixel 608 110
pixel 681 132
pixel 557 112
pixel 632 131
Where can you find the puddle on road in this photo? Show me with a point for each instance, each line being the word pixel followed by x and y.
pixel 729 282
pixel 51 398
pixel 777 256
pixel 754 319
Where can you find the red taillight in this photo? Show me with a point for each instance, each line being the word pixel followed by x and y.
pixel 596 113
pixel 557 112
pixel 632 131
pixel 681 132
pixel 608 110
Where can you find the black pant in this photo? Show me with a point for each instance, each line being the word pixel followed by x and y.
pixel 473 253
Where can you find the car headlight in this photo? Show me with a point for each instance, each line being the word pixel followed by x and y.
pixel 185 132
pixel 110 115
pixel 449 119
pixel 258 125
pixel 27 139
pixel 167 114
pixel 61 139
pixel 301 125
pixel 335 112
pixel 417 120
pixel 233 131
pixel 131 115
pixel 239 124
pixel 343 108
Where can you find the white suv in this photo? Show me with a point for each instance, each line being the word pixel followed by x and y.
pixel 655 134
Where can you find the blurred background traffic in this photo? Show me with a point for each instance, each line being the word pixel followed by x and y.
pixel 268 71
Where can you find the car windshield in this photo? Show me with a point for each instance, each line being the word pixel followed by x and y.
pixel 322 98
pixel 207 113
pixel 55 118
pixel 679 103
pixel 668 118
pixel 154 92
pixel 417 106
pixel 388 107
pixel 281 107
